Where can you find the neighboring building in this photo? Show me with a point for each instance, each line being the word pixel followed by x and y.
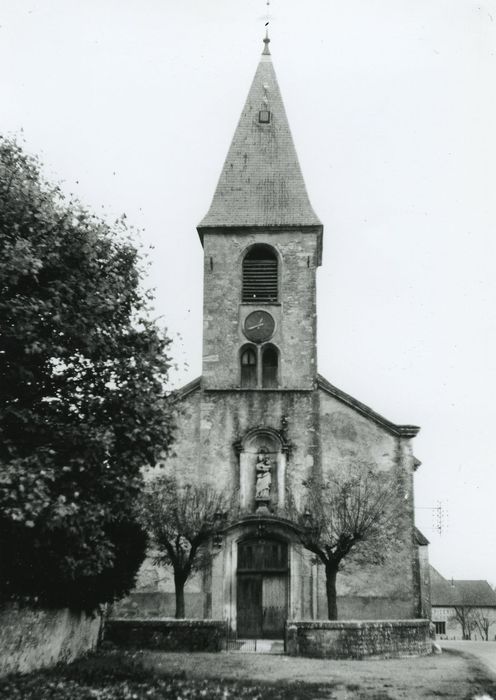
pixel 462 609
pixel 260 408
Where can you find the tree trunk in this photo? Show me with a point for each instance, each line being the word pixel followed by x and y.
pixel 179 581
pixel 332 608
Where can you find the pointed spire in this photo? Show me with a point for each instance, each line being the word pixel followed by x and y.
pixel 266 41
pixel 261 183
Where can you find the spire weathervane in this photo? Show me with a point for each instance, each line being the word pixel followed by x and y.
pixel 266 51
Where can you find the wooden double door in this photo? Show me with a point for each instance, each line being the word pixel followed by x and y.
pixel 262 589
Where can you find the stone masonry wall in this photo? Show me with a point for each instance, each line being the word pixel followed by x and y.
pixel 223 313
pixel 325 435
pixel 358 640
pixel 391 589
pixel 154 595
pixel 425 581
pixel 168 635
pixel 212 421
pixel 33 638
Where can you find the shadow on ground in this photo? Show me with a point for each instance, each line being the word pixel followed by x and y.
pixel 143 675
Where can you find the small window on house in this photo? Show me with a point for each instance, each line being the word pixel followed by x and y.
pixel 260 278
pixel 248 368
pixel 264 116
pixel 269 367
pixel 440 627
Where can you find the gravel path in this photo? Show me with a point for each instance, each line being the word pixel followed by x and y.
pixel 483 651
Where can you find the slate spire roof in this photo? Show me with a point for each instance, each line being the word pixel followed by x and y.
pixel 261 182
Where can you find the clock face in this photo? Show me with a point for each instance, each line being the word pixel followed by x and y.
pixel 259 326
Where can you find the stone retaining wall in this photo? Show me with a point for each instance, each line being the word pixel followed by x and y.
pixel 358 640
pixel 167 635
pixel 31 638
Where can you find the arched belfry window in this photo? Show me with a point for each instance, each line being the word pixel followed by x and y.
pixel 260 274
pixel 248 359
pixel 270 362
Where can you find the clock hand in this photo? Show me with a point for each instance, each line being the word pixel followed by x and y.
pixel 251 328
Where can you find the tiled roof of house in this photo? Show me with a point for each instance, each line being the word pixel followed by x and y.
pixel 261 183
pixel 476 593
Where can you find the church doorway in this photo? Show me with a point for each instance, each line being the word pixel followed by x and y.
pixel 262 589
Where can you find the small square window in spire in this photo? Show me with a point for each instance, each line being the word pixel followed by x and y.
pixel 264 116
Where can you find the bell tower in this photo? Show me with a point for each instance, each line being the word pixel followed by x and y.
pixel 262 244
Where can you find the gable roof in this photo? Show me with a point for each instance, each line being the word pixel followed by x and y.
pixel 473 593
pixel 261 183
pixel 420 538
pixel 322 383
pixel 187 389
pixel 408 431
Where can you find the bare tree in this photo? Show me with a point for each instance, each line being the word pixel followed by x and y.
pixel 182 520
pixel 349 515
pixel 482 623
pixel 465 615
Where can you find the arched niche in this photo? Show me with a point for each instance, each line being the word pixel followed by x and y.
pixel 262 470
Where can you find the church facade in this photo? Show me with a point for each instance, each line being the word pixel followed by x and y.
pixel 261 421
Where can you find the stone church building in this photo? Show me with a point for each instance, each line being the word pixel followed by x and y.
pixel 261 420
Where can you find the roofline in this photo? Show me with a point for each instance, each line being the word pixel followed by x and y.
pixel 420 538
pixel 451 585
pixel 248 230
pixel 406 431
pixel 187 389
pixel 463 605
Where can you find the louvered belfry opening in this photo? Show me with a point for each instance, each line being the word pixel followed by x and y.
pixel 260 275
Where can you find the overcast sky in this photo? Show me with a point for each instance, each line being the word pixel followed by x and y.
pixel 132 103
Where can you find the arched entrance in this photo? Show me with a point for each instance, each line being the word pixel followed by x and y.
pixel 262 588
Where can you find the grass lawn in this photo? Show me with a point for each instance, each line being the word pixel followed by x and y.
pixel 122 675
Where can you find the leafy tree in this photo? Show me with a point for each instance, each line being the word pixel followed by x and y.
pixel 83 404
pixel 182 520
pixel 347 516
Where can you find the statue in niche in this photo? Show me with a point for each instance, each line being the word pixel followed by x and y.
pixel 263 482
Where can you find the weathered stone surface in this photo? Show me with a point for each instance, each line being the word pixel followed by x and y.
pixel 358 640
pixel 224 314
pixel 168 635
pixel 326 436
pixel 31 638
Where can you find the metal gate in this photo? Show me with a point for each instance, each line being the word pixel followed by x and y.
pixel 254 646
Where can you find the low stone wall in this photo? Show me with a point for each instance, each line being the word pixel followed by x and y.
pixel 358 640
pixel 167 635
pixel 31 638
